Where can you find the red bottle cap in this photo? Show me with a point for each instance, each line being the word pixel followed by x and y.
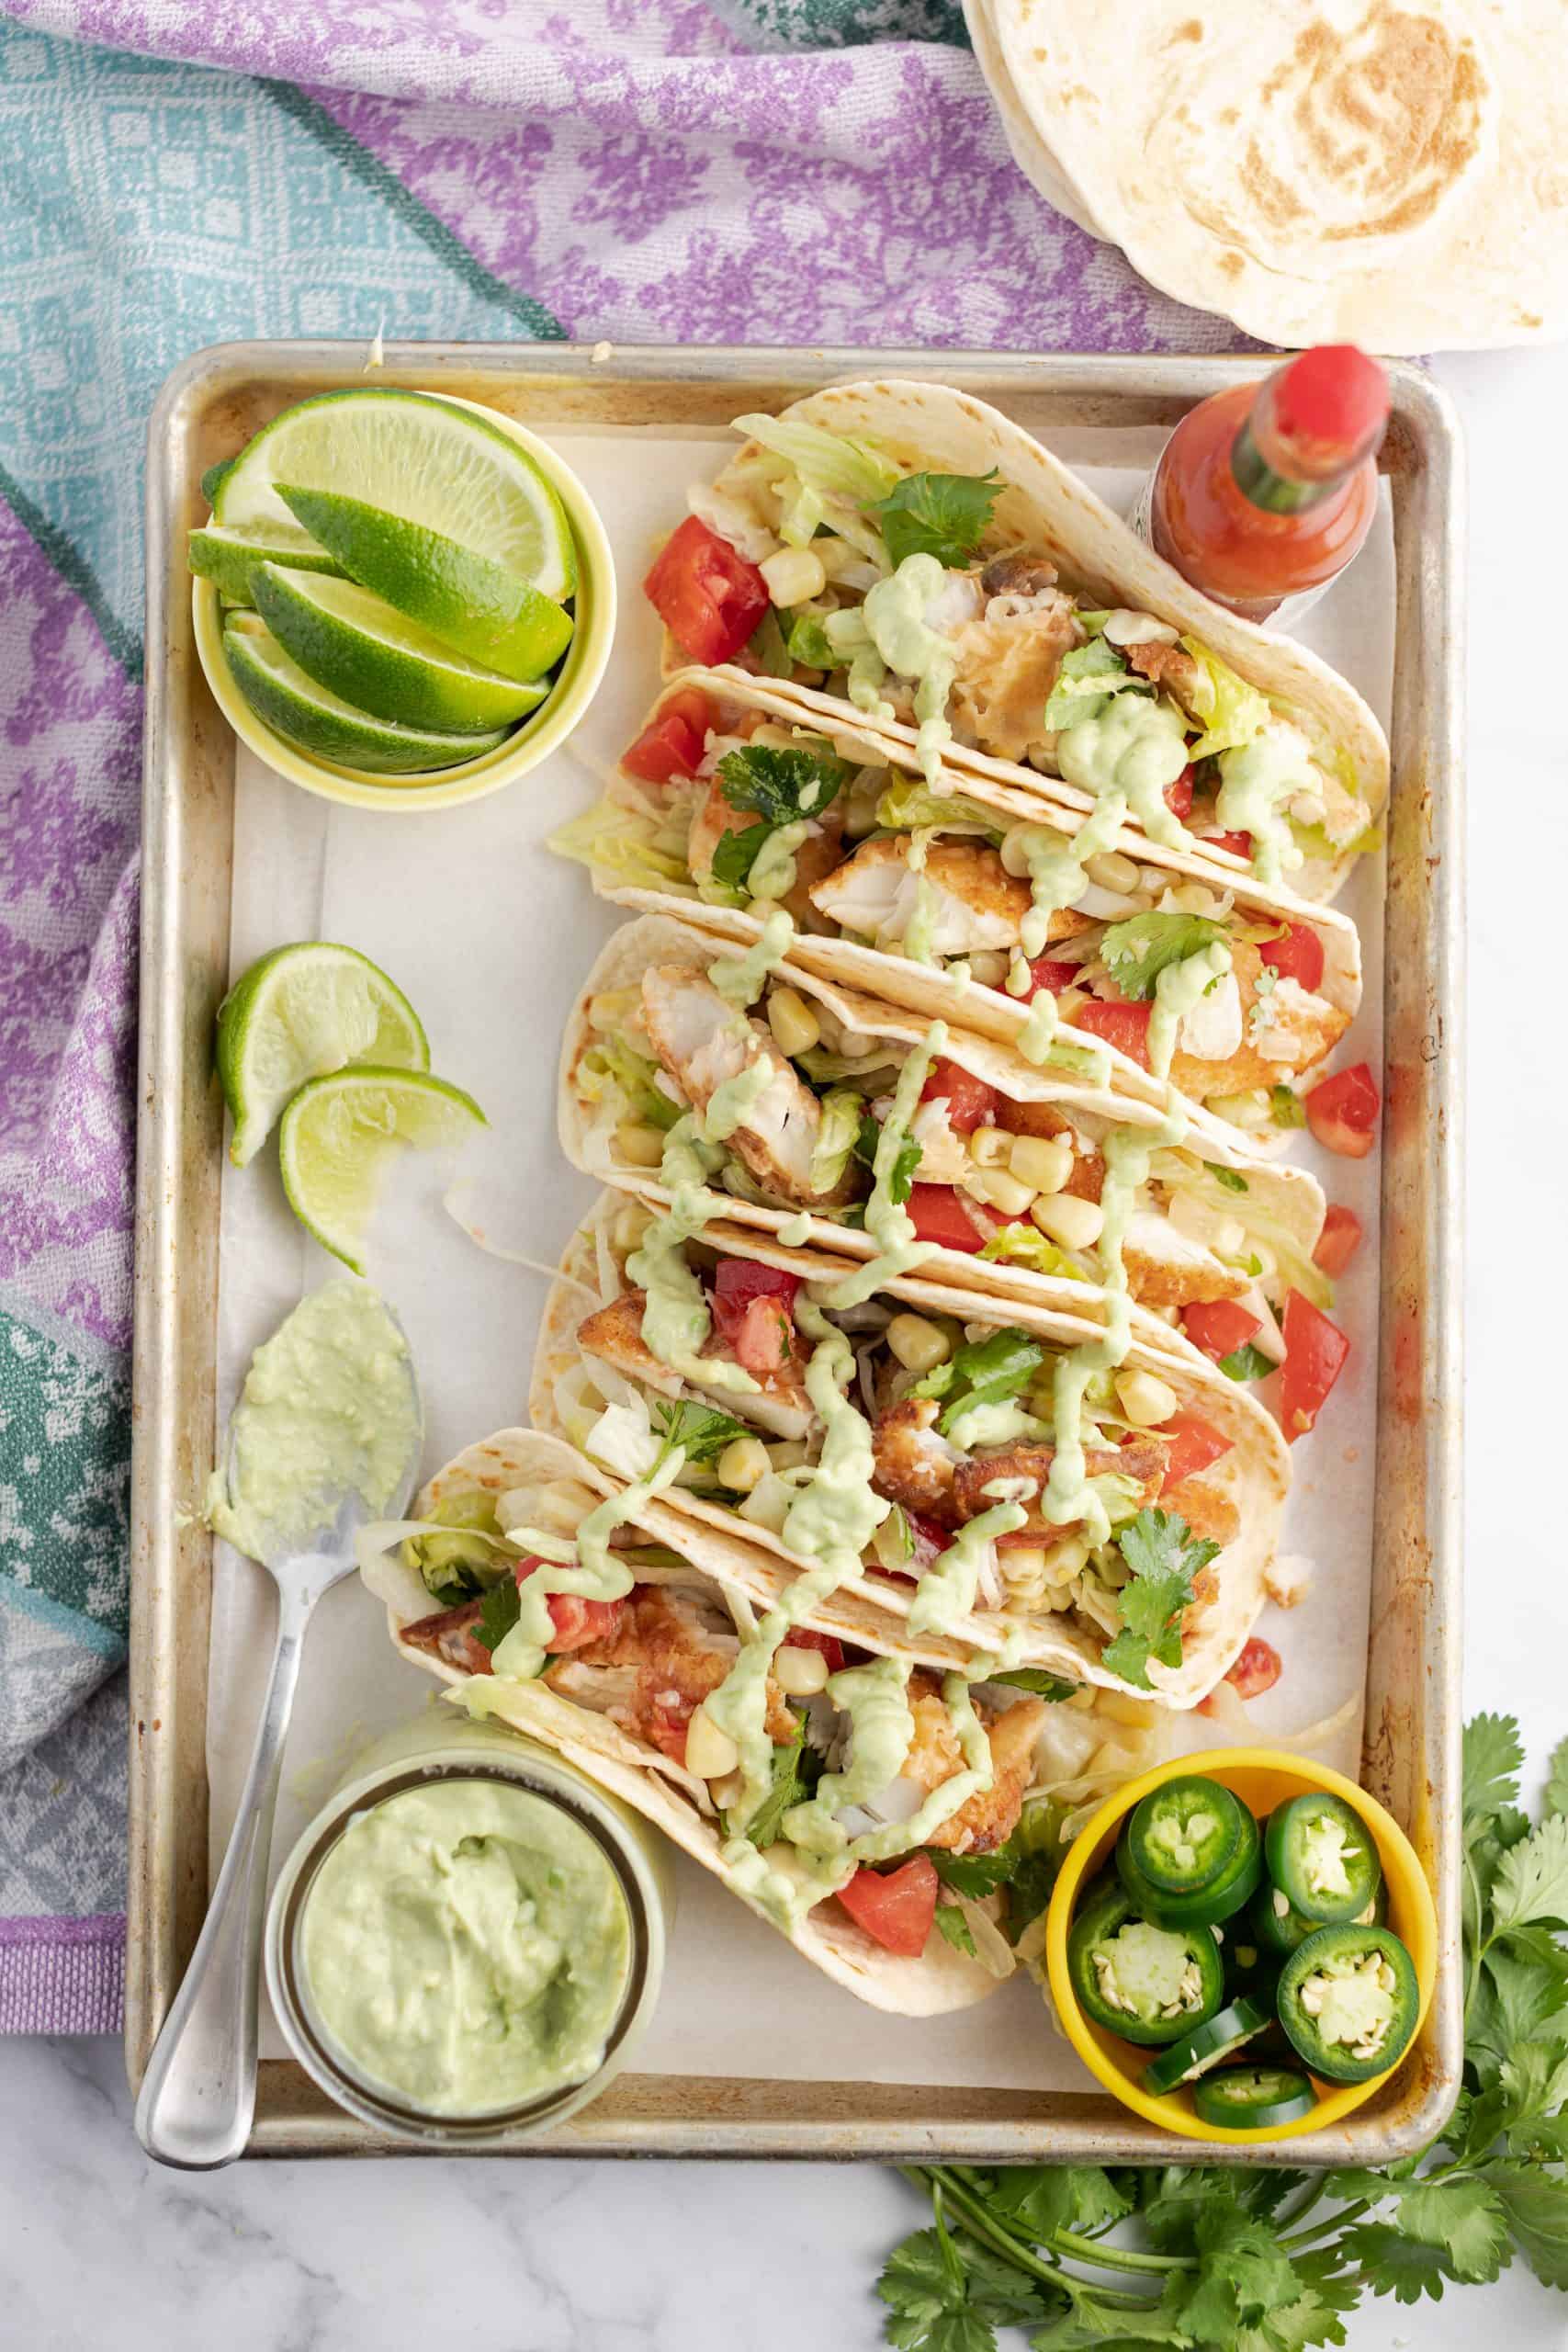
pixel 1328 407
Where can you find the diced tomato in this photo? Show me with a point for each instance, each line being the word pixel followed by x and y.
pixel 931 1539
pixel 1256 1668
pixel 1178 796
pixel 574 1620
pixel 1219 1326
pixel 1238 845
pixel 1316 1354
pixel 940 1216
pixel 897 1910
pixel 1339 1241
pixel 705 592
pixel 805 1637
pixel 1297 956
pixel 971 1103
pixel 668 1723
pixel 1342 1112
pixel 672 743
pixel 738 1281
pixel 762 1337
pixel 1193 1444
pixel 1053 973
pixel 1125 1027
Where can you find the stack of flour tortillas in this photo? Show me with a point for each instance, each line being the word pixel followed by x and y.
pixel 1317 170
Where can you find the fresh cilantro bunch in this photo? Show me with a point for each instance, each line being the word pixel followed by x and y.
pixel 942 515
pixel 779 786
pixel 1251 2259
pixel 1165 1557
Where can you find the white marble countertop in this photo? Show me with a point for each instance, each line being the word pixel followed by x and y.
pixel 99 2248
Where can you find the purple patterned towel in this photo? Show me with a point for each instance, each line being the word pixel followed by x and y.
pixel 644 170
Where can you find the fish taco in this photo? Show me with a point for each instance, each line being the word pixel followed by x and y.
pixel 995 1482
pixel 850 1123
pixel 902 1827
pixel 904 550
pixel 978 902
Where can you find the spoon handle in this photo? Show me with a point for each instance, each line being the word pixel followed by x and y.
pixel 198 2094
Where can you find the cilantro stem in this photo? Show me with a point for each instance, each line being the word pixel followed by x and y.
pixel 1345 2216
pixel 1117 2257
pixel 936 2181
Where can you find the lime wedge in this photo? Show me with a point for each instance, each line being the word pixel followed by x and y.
pixel 480 607
pixel 337 1136
pixel 323 724
pixel 415 456
pixel 213 476
pixel 356 646
pixel 298 1014
pixel 230 557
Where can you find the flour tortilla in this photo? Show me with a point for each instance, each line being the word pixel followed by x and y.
pixel 1292 1196
pixel 663 1792
pixel 1255 1476
pixel 1044 506
pixel 1317 170
pixel 935 994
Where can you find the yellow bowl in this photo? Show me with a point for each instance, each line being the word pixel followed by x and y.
pixel 533 741
pixel 1262 1778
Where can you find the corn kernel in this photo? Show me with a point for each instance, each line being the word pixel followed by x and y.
pixel 743 1465
pixel 990 1147
pixel 1042 1163
pixel 631 1223
pixel 1002 1190
pixel 1248 1111
pixel 1137 1713
pixel 795 1027
pixel 1113 871
pixel 989 965
pixel 799 1674
pixel 920 1346
pixel 710 1751
pixel 1064 1218
pixel 638 1145
pixel 794 576
pixel 1149 1403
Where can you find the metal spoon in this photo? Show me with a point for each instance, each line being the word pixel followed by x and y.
pixel 199 2091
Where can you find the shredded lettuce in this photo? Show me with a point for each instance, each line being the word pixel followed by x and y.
pixel 620 846
pixel 910 803
pixel 807 642
pixel 829 463
pixel 1087 678
pixel 610 1061
pixel 836 1137
pixel 1025 1245
pixel 1231 711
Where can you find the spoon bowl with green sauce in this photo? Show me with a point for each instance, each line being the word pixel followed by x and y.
pixel 326 1438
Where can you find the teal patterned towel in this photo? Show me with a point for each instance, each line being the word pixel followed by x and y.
pixel 645 170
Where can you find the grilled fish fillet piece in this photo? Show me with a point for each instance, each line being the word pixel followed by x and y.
pixel 975 904
pixel 664 1657
pixel 613 1334
pixel 1141 1463
pixel 1294 1031
pixel 991 1815
pixel 702 1042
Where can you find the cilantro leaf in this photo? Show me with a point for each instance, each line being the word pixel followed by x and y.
pixel 1163 1556
pixel 1286 1107
pixel 1392 2265
pixel 942 515
pixel 1087 678
pixel 900 1181
pixel 1226 1176
pixel 973 1874
pixel 1247 1362
pixel 944 2302
pixel 1138 950
pixel 1051 1687
pixel 1492 1760
pixel 1514 1998
pixel 1532 1878
pixel 1555 1799
pixel 1464 2218
pixel 955 1928
pixel 780 785
pixel 796 1769
pixel 737 854
pixel 767 648
pixel 1245 2279
pixel 1535 2204
pixel 700 1430
pixel 503 1607
pixel 1038 2198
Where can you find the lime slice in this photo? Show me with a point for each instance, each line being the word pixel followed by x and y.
pixel 486 611
pixel 323 724
pixel 230 557
pixel 298 1014
pixel 356 646
pixel 337 1136
pixel 213 476
pixel 415 456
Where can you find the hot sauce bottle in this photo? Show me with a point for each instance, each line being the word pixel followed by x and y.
pixel 1264 493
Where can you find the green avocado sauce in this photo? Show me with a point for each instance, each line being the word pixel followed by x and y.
pixel 1137 747
pixel 887 1221
pixel 465 1946
pixel 1256 778
pixel 1054 864
pixel 895 619
pixel 741 978
pixel 676 1318
pixel 945 1595
pixel 1176 990
pixel 593 1574
pixel 329 1405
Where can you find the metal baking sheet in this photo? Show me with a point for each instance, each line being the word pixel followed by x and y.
pixel 207 411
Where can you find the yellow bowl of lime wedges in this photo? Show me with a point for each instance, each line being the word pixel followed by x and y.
pixel 402 600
